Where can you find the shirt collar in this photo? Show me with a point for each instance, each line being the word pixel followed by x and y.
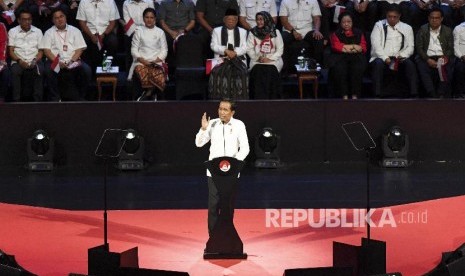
pixel 23 31
pixel 56 29
pixel 437 31
pixel 228 123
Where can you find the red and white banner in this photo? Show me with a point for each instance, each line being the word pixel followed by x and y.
pixel 442 69
pixel 394 65
pixel 56 64
pixel 9 16
pixel 337 11
pixel 212 63
pixel 130 27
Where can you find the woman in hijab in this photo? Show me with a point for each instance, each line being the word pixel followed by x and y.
pixel 347 60
pixel 265 47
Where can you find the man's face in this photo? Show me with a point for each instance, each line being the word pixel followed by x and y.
pixel 392 18
pixel 25 21
pixel 435 19
pixel 59 19
pixel 149 20
pixel 230 21
pixel 224 112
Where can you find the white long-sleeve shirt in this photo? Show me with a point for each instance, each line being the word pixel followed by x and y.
pixel 228 139
pixel 384 46
pixel 134 9
pixel 148 44
pixel 459 40
pixel 276 51
pixel 218 49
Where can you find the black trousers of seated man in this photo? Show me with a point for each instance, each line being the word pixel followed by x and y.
pixel 68 85
pixel 315 50
pixel 27 83
pixel 407 71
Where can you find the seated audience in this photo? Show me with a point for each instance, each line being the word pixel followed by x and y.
pixel 347 61
pixel 459 51
pixel 4 72
pixel 209 14
pixel 392 45
pixel 97 21
pixel 229 42
pixel 435 55
pixel 132 18
pixel 301 21
pixel 177 18
pixel 63 46
pixel 149 51
pixel 249 8
pixel 26 59
pixel 265 47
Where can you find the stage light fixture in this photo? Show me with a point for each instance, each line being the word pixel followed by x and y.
pixel 395 148
pixel 40 148
pixel 132 152
pixel 267 149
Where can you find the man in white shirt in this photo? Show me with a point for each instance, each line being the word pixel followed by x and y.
pixel 249 8
pixel 227 137
pixel 392 45
pixel 229 42
pixel 301 20
pixel 459 51
pixel 97 20
pixel 26 64
pixel 66 44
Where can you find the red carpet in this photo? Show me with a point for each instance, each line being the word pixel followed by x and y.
pixel 52 242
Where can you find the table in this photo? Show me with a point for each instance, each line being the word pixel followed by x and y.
pixel 109 76
pixel 308 74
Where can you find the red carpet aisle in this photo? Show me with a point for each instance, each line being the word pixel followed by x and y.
pixel 55 242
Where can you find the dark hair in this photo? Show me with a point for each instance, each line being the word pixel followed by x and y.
pixel 436 9
pixel 21 11
pixel 393 8
pixel 58 9
pixel 147 10
pixel 231 102
pixel 346 13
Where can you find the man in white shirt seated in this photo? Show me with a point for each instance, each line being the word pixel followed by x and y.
pixel 26 59
pixel 65 44
pixel 97 20
pixel 392 45
pixel 249 8
pixel 229 44
pixel 459 51
pixel 301 20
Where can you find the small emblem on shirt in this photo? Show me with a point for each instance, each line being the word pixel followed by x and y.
pixel 225 165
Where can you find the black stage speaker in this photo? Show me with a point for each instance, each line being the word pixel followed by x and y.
pixel 9 271
pixel 319 271
pixel 9 266
pixel 103 262
pixel 452 263
pixel 129 271
pixel 367 259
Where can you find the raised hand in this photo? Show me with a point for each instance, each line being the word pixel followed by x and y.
pixel 205 121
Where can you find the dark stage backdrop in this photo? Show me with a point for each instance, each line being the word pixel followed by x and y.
pixel 310 130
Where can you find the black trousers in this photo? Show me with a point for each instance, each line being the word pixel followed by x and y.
pixel 347 74
pixel 22 80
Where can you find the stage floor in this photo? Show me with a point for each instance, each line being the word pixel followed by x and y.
pixel 303 185
pixel 53 242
